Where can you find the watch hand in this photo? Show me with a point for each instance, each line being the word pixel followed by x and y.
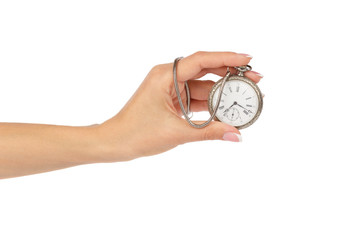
pixel 229 108
pixel 243 108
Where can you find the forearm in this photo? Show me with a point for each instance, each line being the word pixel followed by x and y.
pixel 34 148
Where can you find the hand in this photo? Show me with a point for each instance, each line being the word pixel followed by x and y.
pixel 149 123
pixel 160 127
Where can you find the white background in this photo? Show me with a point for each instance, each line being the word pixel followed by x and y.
pixel 295 176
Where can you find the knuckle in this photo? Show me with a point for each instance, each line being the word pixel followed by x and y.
pixel 199 53
pixel 207 134
pixel 156 69
pixel 161 69
pixel 214 131
pixel 158 73
pixel 209 82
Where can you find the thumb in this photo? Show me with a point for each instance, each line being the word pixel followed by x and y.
pixel 215 131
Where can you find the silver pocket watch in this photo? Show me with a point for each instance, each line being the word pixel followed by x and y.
pixel 241 100
pixel 234 99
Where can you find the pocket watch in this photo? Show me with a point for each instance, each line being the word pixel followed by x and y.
pixel 241 100
pixel 234 99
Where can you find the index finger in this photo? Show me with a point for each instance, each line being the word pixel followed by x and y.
pixel 190 66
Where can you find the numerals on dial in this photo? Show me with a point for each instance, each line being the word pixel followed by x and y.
pixel 239 103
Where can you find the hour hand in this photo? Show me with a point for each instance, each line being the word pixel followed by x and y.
pixel 229 108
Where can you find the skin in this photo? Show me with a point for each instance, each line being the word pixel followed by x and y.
pixel 34 148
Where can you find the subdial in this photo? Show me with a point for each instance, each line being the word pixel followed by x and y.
pixel 232 114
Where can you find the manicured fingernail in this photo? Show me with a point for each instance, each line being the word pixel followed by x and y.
pixel 258 74
pixel 245 55
pixel 232 137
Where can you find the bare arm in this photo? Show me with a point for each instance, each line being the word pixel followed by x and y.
pixel 34 148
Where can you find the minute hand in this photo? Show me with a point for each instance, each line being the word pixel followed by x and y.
pixel 243 108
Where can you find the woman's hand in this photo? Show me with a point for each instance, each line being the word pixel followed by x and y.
pixel 151 122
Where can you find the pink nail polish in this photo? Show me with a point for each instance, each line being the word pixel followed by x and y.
pixel 245 55
pixel 259 74
pixel 232 137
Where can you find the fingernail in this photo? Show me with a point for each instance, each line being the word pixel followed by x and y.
pixel 245 55
pixel 258 74
pixel 232 137
pixel 263 95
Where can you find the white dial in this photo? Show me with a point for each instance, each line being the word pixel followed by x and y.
pixel 239 103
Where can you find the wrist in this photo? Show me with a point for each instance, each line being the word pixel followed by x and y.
pixel 107 144
pixel 84 144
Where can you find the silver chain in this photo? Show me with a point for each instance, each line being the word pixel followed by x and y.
pixel 240 72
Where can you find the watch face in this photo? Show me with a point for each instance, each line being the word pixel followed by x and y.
pixel 240 104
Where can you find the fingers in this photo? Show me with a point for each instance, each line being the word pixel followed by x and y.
pixel 199 89
pixel 199 92
pixel 192 65
pixel 214 131
pixel 254 76
pixel 221 71
pixel 195 106
pixel 199 105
